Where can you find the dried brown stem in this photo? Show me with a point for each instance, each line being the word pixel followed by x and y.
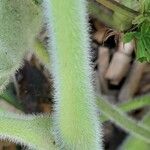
pixel 131 85
pixel 120 62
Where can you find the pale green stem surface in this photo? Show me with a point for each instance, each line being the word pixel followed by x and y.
pixel 76 120
pixel 31 131
pixel 20 21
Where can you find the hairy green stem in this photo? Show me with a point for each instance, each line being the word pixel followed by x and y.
pixel 95 10
pixel 31 131
pixel 76 120
pixel 20 21
pixel 42 124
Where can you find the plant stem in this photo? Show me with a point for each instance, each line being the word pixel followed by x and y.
pixel 121 17
pixel 39 126
pixel 76 120
pixel 136 103
pixel 130 105
pixel 131 143
pixel 119 118
pixel 117 7
pixel 96 11
pixel 31 131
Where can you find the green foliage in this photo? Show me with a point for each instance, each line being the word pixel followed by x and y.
pixel 132 4
pixel 128 36
pixel 20 21
pixel 145 6
pixel 142 34
pixel 41 126
pixel 126 17
pixel 76 124
pixel 142 39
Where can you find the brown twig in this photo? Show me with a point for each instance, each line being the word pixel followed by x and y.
pixel 131 85
pixel 120 62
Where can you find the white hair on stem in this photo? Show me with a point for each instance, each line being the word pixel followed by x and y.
pixel 76 124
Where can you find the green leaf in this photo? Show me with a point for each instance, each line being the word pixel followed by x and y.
pixel 20 22
pixel 142 54
pixel 146 43
pixel 128 37
pixel 139 19
pixel 137 35
pixel 145 6
pixel 145 28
